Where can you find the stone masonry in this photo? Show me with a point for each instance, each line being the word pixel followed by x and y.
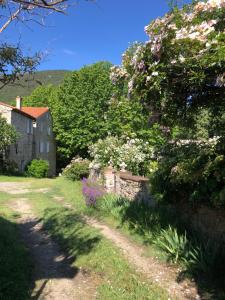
pixel 124 184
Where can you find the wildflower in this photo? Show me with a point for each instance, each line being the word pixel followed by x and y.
pixel 181 58
pixel 91 191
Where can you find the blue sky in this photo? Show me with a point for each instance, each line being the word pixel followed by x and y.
pixel 90 32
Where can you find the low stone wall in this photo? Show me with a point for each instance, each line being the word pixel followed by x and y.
pixel 132 187
pixel 95 174
pixel 124 184
pixel 209 222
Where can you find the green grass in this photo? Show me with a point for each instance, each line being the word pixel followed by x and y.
pixel 89 250
pixel 15 265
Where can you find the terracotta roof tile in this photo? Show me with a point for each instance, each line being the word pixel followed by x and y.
pixel 35 112
pixel 18 110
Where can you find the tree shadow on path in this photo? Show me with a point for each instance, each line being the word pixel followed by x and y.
pixel 45 239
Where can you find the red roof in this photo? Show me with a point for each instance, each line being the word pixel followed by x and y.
pixel 35 112
pixel 17 110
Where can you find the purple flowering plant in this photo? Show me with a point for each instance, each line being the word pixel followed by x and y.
pixel 92 190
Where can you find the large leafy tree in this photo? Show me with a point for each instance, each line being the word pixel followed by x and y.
pixel 42 96
pixel 80 108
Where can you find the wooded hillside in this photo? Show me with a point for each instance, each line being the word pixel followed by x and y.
pixel 28 83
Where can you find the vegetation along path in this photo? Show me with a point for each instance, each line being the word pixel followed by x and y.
pixel 56 277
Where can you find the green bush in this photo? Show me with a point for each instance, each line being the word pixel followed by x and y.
pixel 8 167
pixel 192 171
pixel 77 169
pixel 38 168
pixel 174 244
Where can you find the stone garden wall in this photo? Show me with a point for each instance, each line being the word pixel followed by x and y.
pixel 124 184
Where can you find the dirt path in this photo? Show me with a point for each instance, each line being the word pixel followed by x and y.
pixel 156 272
pixel 54 277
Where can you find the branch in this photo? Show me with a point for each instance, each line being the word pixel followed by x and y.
pixel 12 17
pixel 42 4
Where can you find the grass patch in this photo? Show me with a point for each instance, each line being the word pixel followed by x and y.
pixel 15 265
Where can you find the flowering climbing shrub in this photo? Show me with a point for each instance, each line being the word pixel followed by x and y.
pixel 182 65
pixel 131 154
pixel 92 191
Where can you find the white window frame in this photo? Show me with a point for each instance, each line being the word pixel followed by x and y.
pixel 47 147
pixel 41 147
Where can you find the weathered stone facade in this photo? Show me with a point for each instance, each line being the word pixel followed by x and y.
pixel 35 136
pixel 44 145
pixel 21 151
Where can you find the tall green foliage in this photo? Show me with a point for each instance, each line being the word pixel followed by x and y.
pixel 80 109
pixel 7 134
pixel 126 117
pixel 41 96
pixel 7 137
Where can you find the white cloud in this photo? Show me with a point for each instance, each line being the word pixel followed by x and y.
pixel 69 52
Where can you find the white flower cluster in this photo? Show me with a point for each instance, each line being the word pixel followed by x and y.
pixel 211 142
pixel 114 152
pixel 117 73
pixel 136 57
pixel 220 81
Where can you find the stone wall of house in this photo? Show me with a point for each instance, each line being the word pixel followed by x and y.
pixel 6 113
pixel 45 147
pixel 21 151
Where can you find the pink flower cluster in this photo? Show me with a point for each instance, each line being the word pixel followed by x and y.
pixel 209 5
pixel 199 32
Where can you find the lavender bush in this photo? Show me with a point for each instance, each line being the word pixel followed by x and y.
pixel 92 190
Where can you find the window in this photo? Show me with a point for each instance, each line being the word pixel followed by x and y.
pixel 29 126
pixel 49 130
pixel 16 148
pixel 47 147
pixel 41 147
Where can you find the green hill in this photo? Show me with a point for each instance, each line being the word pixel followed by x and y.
pixel 28 83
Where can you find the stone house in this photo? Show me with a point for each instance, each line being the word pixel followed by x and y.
pixel 36 139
